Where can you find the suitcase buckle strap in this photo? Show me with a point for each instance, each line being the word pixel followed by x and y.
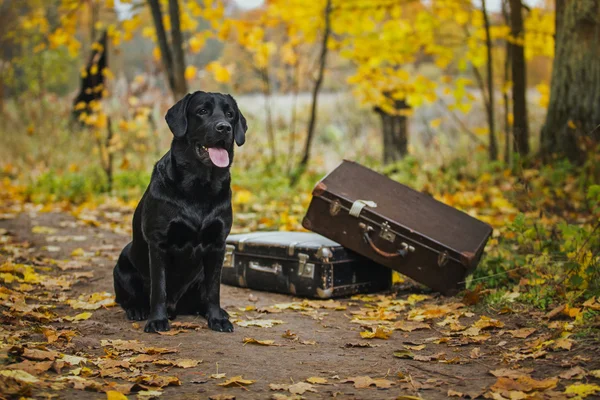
pixel 403 252
pixel 358 205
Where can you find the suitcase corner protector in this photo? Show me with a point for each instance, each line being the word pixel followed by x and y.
pixel 306 223
pixel 319 189
pixel 325 293
pixel 467 258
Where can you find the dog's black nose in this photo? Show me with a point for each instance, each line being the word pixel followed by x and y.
pixel 223 127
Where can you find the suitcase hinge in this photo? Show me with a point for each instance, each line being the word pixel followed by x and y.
pixel 229 256
pixel 292 248
pixel 335 207
pixel 305 269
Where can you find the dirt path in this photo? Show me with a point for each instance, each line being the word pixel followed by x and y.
pixel 450 352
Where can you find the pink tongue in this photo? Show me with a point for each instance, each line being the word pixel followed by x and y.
pixel 218 156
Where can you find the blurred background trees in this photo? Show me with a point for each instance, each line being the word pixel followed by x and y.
pixel 465 73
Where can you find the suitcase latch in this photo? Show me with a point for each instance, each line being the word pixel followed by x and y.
pixel 229 257
pixel 305 269
pixel 386 233
pixel 335 208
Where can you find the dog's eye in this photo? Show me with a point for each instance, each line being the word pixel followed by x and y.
pixel 202 111
pixel 229 114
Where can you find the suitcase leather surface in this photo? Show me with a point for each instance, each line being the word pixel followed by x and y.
pixel 403 229
pixel 299 263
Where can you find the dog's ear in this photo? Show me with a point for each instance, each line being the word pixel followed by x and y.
pixel 239 131
pixel 177 117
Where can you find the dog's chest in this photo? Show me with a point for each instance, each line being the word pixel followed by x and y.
pixel 190 235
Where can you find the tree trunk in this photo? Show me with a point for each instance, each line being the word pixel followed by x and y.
pixel 174 69
pixel 316 88
pixel 519 73
pixel 493 146
pixel 507 68
pixel 180 89
pixel 394 133
pixel 574 108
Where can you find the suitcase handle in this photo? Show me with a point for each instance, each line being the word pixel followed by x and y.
pixel 274 269
pixel 367 238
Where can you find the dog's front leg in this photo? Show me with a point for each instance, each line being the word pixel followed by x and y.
pixel 158 319
pixel 218 319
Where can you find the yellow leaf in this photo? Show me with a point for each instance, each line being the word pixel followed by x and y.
pixel 80 317
pixel 114 395
pixel 236 381
pixel 248 340
pixel 381 332
pixel 582 390
pixel 190 72
pixel 435 123
pixel 220 73
pixel 317 380
pixel 571 124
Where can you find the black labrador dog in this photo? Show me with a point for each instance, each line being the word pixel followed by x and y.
pixel 173 264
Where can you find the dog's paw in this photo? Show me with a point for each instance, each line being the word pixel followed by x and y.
pixel 157 325
pixel 136 314
pixel 220 324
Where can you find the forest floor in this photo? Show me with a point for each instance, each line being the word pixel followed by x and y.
pixel 62 336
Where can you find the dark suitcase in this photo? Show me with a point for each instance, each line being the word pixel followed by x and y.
pixel 300 263
pixel 397 226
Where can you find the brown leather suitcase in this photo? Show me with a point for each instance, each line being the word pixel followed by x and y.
pixel 396 226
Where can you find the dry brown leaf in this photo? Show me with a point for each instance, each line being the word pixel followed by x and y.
pixel 523 383
pixel 414 347
pixel 289 335
pixel 522 333
pixel 222 396
pixel 172 332
pixel 362 382
pixel 185 325
pixel 261 323
pixel 488 323
pixel 475 353
pixel 180 363
pixel 108 363
pixel 158 380
pixel 511 373
pixel 563 344
pixel 454 393
pixel 39 355
pixel 573 373
pixel 236 381
pixel 409 326
pixel 555 312
pixel 31 367
pixel 249 340
pixel 317 380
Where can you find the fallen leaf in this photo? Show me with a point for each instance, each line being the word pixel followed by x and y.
pixel 595 373
pixel 31 367
pixel 475 353
pixel 180 363
pixel 454 393
pixel 39 355
pixel 289 335
pixel 185 325
pixel 573 373
pixel 93 301
pixel 79 317
pixel 362 382
pixel 221 397
pixel 404 354
pixel 414 347
pixel 523 383
pixel 317 380
pixel 114 395
pixel 360 344
pixel 218 376
pixel 552 314
pixel 249 340
pixel 19 376
pixel 148 394
pixel 261 323
pixel 172 332
pixel 158 380
pixel 582 390
pixel 381 332
pixel 522 333
pixel 409 326
pixel 563 344
pixel 236 381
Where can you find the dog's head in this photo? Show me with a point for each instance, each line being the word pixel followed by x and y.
pixel 210 123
